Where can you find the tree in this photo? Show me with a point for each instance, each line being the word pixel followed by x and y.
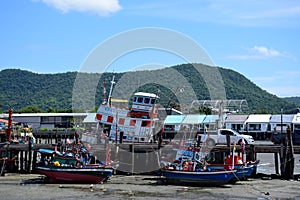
pixel 30 109
pixel 205 110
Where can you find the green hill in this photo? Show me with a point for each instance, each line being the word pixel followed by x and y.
pixel 293 100
pixel 24 91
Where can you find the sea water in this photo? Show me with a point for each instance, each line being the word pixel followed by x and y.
pixel 267 163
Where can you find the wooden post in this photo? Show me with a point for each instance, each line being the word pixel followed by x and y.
pixel 228 140
pixel 282 157
pixel 228 144
pixel 29 156
pixel 21 161
pixel 34 160
pixel 132 161
pixel 26 161
pixel 276 163
pixel 159 142
pixel 290 162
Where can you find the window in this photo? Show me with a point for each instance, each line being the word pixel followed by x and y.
pixel 146 123
pixel 225 132
pixel 254 127
pixel 140 100
pixel 153 101
pixel 147 100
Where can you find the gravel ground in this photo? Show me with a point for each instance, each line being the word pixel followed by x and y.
pixel 20 186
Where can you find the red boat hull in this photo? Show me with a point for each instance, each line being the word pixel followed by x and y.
pixel 76 175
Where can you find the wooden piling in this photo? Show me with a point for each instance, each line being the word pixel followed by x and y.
pixel 276 163
pixel 290 162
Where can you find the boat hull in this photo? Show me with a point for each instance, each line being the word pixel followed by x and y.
pixel 76 175
pixel 242 172
pixel 205 178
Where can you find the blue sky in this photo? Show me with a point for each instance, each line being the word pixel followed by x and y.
pixel 259 39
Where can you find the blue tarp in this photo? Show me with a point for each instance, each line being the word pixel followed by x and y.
pixel 49 151
pixel 173 119
pixel 211 118
pixel 193 119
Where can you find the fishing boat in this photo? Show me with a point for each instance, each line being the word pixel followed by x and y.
pixel 137 123
pixel 68 168
pixel 190 167
pixel 198 176
pixel 243 169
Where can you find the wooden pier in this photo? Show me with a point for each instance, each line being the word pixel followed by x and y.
pixel 143 158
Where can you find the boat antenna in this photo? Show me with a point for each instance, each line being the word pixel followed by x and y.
pixel 110 91
pixel 104 101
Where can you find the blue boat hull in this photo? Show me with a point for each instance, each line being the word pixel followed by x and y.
pixel 204 178
pixel 242 173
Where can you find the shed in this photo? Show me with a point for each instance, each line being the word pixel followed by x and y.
pixel 193 122
pixel 278 121
pixel 173 122
pixel 258 123
pixel 236 122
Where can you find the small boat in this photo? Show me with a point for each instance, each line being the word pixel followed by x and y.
pixel 90 175
pixel 66 168
pixel 204 178
pixel 189 169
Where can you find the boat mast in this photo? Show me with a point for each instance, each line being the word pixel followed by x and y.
pixel 110 91
pixel 104 101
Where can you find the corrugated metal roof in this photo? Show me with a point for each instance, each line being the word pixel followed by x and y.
pixel 90 118
pixel 174 119
pixel 211 118
pixel 193 119
pixel 259 118
pixel 285 118
pixel 236 118
pixel 49 114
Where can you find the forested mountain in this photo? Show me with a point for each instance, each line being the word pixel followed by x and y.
pixel 293 100
pixel 24 91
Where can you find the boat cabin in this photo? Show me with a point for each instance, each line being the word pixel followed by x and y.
pixel 144 105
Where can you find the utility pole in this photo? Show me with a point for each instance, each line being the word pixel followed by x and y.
pixel 9 128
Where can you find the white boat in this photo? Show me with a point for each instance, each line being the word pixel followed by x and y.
pixel 139 124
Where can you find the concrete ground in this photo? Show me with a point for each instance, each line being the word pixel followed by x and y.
pixel 20 186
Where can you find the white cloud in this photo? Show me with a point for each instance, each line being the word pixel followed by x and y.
pixel 259 52
pixel 265 51
pixel 100 7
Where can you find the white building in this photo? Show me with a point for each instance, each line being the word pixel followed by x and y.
pixel 279 123
pixel 296 123
pixel 236 122
pixel 258 125
pixel 48 120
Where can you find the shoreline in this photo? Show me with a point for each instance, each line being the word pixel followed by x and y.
pixel 32 186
